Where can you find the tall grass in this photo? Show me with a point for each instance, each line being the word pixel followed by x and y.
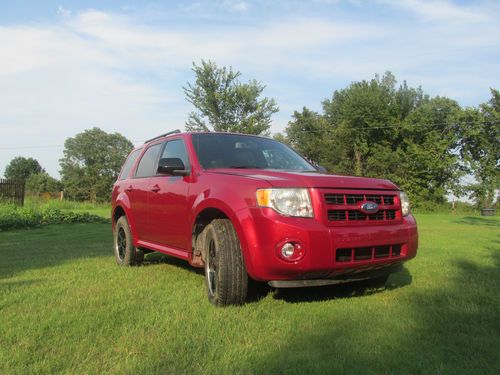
pixel 36 202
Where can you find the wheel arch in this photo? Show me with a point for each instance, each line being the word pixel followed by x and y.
pixel 120 208
pixel 118 212
pixel 207 213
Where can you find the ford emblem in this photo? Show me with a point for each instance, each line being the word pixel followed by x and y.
pixel 369 207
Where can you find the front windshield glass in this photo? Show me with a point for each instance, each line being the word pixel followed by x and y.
pixel 216 150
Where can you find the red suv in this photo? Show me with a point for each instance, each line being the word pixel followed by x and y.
pixel 250 208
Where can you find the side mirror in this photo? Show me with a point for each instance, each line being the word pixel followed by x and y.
pixel 172 166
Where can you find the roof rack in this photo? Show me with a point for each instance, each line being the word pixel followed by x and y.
pixel 163 135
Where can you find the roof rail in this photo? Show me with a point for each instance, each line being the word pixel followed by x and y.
pixel 163 135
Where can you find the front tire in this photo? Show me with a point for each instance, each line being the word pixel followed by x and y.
pixel 226 276
pixel 125 252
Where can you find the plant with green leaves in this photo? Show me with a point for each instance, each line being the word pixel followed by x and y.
pixel 362 116
pixel 13 217
pixel 377 129
pixel 430 137
pixel 480 149
pixel 307 133
pixel 225 104
pixel 43 183
pixel 21 168
pixel 91 163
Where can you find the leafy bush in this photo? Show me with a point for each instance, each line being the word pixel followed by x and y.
pixel 12 217
pixel 42 182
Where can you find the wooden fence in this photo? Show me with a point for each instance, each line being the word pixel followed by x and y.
pixel 12 191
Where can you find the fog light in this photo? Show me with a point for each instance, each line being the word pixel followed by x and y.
pixel 287 250
pixel 291 251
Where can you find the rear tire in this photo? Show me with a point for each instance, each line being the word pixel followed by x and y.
pixel 226 276
pixel 125 252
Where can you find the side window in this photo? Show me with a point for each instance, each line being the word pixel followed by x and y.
pixel 146 167
pixel 128 164
pixel 176 149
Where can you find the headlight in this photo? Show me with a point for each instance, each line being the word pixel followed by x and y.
pixel 405 203
pixel 289 202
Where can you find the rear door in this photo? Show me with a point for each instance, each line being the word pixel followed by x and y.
pixel 168 201
pixel 138 189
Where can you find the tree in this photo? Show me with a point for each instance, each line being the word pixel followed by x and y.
pixel 359 116
pixel 428 150
pixel 91 163
pixel 225 104
pixel 43 183
pixel 378 129
pixel 21 168
pixel 480 149
pixel 280 137
pixel 307 133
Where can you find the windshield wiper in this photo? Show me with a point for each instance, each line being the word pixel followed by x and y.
pixel 244 167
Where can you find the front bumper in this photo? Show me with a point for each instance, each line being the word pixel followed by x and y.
pixel 346 277
pixel 322 245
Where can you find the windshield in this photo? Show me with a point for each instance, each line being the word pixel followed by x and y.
pixel 216 150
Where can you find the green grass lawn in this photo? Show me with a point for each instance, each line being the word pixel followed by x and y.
pixel 65 307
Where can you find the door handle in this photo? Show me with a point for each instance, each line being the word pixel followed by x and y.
pixel 129 189
pixel 155 188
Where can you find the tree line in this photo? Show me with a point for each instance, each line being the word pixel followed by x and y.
pixel 90 165
pixel 429 146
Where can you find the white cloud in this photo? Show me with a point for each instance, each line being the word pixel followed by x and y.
pixel 439 9
pixel 236 6
pixel 63 12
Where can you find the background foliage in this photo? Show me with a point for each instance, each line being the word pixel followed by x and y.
pixel 13 217
pixel 42 182
pixel 225 104
pixel 425 145
pixel 91 163
pixel 21 168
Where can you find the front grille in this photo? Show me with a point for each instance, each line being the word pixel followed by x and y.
pixel 334 198
pixel 353 199
pixel 378 216
pixel 345 207
pixel 390 214
pixel 352 215
pixel 336 215
pixel 360 254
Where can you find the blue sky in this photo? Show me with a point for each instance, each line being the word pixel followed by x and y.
pixel 69 65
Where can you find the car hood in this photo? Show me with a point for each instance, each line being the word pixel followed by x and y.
pixel 309 179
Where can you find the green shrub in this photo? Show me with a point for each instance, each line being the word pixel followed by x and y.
pixel 13 217
pixel 461 208
pixel 42 182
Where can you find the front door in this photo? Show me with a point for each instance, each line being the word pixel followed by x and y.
pixel 168 207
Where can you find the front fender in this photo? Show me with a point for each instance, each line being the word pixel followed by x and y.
pixel 239 214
